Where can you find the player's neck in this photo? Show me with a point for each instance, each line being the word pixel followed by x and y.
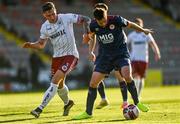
pixel 138 31
pixel 53 22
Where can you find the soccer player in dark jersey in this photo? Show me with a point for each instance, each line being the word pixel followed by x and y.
pixel 101 87
pixel 113 53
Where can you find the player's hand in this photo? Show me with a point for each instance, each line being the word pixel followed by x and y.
pixel 92 56
pixel 26 45
pixel 147 31
pixel 86 38
pixel 157 57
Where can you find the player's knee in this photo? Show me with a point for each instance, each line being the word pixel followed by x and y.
pixel 57 80
pixel 61 85
pixel 58 77
pixel 128 78
pixel 93 84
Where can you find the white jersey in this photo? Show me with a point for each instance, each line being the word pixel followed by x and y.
pixel 139 45
pixel 61 35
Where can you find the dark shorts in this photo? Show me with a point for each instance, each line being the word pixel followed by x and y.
pixel 139 67
pixel 105 64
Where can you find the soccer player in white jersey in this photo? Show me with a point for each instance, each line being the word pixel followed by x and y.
pixel 59 30
pixel 140 54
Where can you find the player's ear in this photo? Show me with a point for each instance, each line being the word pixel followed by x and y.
pixel 44 14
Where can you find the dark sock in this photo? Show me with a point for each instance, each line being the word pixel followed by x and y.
pixel 123 89
pixel 101 90
pixel 92 93
pixel 133 91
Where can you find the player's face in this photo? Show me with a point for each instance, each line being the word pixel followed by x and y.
pixel 103 21
pixel 51 15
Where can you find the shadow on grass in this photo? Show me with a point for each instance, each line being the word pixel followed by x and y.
pixel 21 119
pixel 15 120
pixel 162 101
pixel 22 113
pixel 10 114
pixel 56 121
pixel 70 121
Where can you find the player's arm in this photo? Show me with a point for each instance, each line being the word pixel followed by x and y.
pixel 129 42
pixel 85 20
pixel 87 38
pixel 139 28
pixel 92 45
pixel 39 44
pixel 155 48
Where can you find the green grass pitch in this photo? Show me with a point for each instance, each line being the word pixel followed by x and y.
pixel 164 103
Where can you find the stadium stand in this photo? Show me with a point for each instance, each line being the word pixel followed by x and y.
pixel 23 18
pixel 169 7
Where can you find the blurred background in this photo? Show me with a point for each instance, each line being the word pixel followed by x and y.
pixel 27 70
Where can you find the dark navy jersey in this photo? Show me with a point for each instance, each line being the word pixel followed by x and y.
pixel 111 38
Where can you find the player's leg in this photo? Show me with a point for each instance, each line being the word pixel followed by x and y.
pixel 123 88
pixel 137 82
pixel 104 101
pixel 126 72
pixel 142 73
pixel 135 74
pixel 58 72
pixel 92 94
pixel 48 95
pixel 69 62
pixel 101 88
pixel 63 92
pixel 141 86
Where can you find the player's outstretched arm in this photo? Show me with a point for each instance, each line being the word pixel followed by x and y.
pixel 156 50
pixel 139 28
pixel 40 44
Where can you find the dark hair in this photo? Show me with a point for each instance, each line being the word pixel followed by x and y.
pixel 48 6
pixel 101 5
pixel 98 13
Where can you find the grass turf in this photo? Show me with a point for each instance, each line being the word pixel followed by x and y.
pixel 164 103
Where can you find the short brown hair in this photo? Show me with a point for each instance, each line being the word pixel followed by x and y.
pixel 101 5
pixel 48 6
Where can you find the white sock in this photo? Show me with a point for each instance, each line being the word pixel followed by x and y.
pixel 136 81
pixel 137 84
pixel 141 86
pixel 48 95
pixel 64 94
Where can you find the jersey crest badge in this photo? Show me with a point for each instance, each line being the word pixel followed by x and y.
pixel 96 29
pixel 112 26
pixel 64 67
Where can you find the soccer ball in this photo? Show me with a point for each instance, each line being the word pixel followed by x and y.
pixel 131 112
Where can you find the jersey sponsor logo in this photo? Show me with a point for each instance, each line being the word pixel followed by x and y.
pixel 106 38
pixel 48 28
pixel 59 22
pixel 59 33
pixel 111 26
pixel 139 42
